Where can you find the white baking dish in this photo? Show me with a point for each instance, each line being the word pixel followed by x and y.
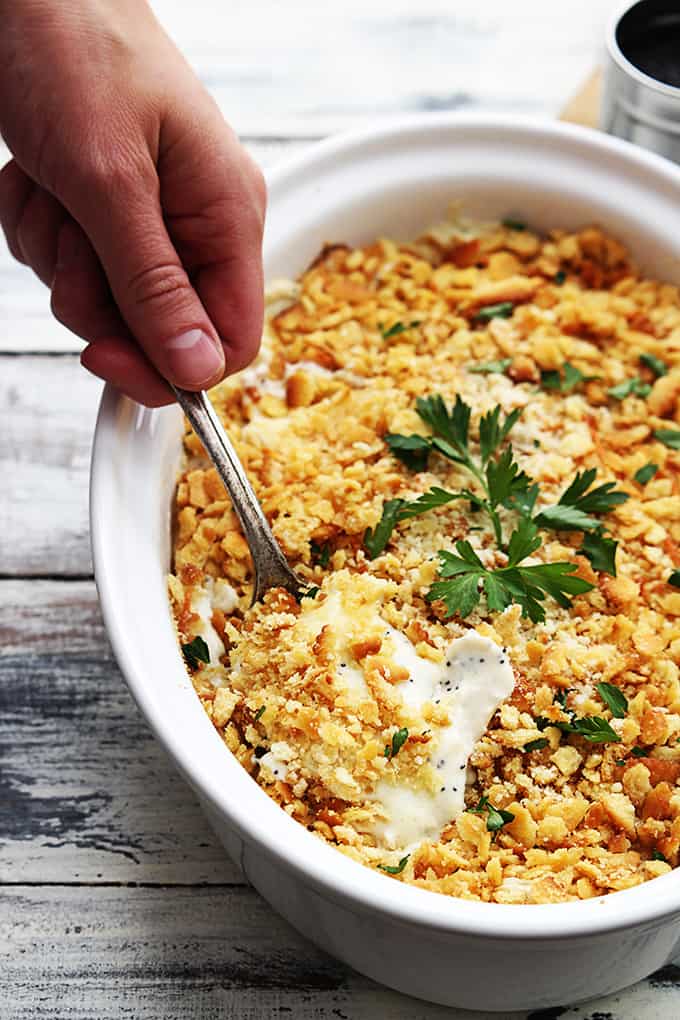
pixel 394 180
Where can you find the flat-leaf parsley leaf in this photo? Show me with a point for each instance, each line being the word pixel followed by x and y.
pixel 196 651
pixel 645 473
pixel 654 364
pixel 614 699
pixel 398 740
pixel 669 437
pixel 629 387
pixel 395 869
pixel 502 310
pixel 491 367
pixel 398 328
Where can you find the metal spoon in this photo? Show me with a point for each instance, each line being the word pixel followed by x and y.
pixel 269 563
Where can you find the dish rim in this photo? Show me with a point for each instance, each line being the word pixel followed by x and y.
pixel 260 820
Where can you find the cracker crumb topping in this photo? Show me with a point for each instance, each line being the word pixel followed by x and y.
pixel 312 698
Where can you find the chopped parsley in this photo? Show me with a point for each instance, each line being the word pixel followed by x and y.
pixel 645 473
pixel 398 740
pixel 674 579
pixel 491 367
pixel 496 818
pixel 658 856
pixel 564 379
pixel 195 652
pixel 395 869
pixel 512 224
pixel 656 366
pixel 559 277
pixel 398 328
pixel 629 387
pixel 639 752
pixel 311 593
pixel 669 437
pixel 260 712
pixel 502 310
pixel 321 554
pixel 537 745
pixel 591 727
pixel 614 699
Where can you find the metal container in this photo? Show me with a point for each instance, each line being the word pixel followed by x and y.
pixel 643 44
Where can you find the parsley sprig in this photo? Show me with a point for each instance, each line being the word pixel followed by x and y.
pixel 504 486
pixel 465 576
pixel 593 728
pixel 574 512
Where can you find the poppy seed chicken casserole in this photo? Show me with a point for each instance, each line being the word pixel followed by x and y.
pixel 468 448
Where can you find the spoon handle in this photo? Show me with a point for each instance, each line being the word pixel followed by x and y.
pixel 269 563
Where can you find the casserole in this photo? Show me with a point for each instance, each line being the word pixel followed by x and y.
pixel 394 180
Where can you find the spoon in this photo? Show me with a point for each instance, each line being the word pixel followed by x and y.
pixel 269 563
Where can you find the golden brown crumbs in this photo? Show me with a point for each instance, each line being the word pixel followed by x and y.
pixel 308 421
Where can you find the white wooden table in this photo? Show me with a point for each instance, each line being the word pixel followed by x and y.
pixel 115 899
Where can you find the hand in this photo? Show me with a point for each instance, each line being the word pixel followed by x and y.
pixel 128 195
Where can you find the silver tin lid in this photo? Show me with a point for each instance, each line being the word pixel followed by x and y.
pixel 635 105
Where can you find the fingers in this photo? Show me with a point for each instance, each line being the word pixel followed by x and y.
pixel 118 360
pixel 15 189
pixel 82 301
pixel 150 286
pixel 37 233
pixel 232 293
pixel 210 176
pixel 81 298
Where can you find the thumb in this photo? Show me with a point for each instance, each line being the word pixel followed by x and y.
pixel 149 283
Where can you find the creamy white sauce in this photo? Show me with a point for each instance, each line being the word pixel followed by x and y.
pixel 469 685
pixel 202 601
pixel 277 766
pixel 332 611
pixel 475 679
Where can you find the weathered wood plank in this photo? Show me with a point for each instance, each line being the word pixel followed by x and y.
pixel 48 407
pixel 204 954
pixel 86 793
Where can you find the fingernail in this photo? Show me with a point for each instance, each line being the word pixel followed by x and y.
pixel 193 358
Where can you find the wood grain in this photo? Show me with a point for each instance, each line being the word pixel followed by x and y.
pixel 49 406
pixel 86 793
pixel 212 954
